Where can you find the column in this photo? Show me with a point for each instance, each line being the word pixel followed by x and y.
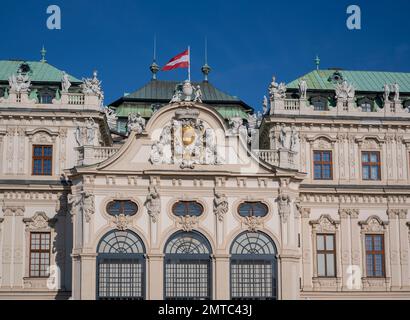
pixel 289 274
pixel 88 278
pixel 345 245
pixel 221 285
pixel 7 248
pixel 394 248
pixel 18 252
pixel 155 276
pixel 404 250
pixel 306 237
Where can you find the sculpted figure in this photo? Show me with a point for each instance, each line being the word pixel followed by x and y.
pixel 65 83
pixel 153 203
pixel 220 205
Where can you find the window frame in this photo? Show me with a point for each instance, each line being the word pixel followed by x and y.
pixel 186 204
pixel 325 252
pixel 375 253
pixel 371 164
pixel 39 276
pixel 253 202
pixel 322 163
pixel 42 158
pixel 122 206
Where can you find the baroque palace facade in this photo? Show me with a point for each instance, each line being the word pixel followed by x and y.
pixel 181 191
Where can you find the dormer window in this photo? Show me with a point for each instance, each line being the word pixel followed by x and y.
pixel 46 98
pixel 336 77
pixel 319 103
pixel 366 104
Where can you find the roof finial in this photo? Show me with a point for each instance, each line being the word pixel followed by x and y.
pixel 317 62
pixel 206 69
pixel 154 67
pixel 43 55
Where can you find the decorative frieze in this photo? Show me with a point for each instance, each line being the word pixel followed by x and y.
pixel 348 212
pixel 39 221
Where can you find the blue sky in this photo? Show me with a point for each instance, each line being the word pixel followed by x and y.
pixel 248 41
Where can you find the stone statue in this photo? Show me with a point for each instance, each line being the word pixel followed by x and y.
pixel 344 91
pixel 277 91
pixel 265 105
pixel 79 135
pixel 20 83
pixel 177 96
pixel 235 123
pixel 220 205
pixel 198 94
pixel 111 118
pixel 282 137
pixel 153 203
pixel 386 89
pixel 135 123
pixel 396 90
pixel 293 139
pixel 88 205
pixel 90 127
pixel 283 206
pixel 65 83
pixel 303 88
pixel 92 86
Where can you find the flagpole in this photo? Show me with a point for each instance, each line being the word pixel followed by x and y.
pixel 189 63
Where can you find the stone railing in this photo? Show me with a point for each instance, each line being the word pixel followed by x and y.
pixel 87 155
pixel 75 99
pixel 346 108
pixel 283 158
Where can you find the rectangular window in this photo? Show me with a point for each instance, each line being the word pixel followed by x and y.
pixel 374 255
pixel 326 255
pixel 42 160
pixel 371 165
pixel 322 162
pixel 39 254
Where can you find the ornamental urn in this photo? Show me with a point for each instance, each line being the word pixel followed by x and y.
pixel 187 89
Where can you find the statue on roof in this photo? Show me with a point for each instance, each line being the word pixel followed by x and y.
pixel 111 118
pixel 265 105
pixel 396 90
pixel 198 94
pixel 135 123
pixel 92 86
pixel 303 88
pixel 177 96
pixel 277 91
pixel 344 91
pixel 65 82
pixel 386 89
pixel 19 83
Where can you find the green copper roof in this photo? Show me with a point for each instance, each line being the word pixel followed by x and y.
pixel 162 91
pixel 369 81
pixel 40 71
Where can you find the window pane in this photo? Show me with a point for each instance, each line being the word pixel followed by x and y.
pixel 316 156
pixel 330 261
pixel 365 157
pixel 318 171
pixel 260 209
pixel 378 243
pixel 374 157
pixel 375 173
pixel 48 151
pixel 326 171
pixel 366 172
pixel 321 265
pixel 326 156
pixel 369 265
pixel 320 242
pixel 369 243
pixel 329 242
pixel 379 265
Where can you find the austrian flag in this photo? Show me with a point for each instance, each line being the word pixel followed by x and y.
pixel 179 61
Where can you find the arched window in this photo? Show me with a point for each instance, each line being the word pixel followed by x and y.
pixel 366 104
pixel 187 267
pixel 253 267
pixel 187 208
pixel 121 267
pixel 256 209
pixel 126 207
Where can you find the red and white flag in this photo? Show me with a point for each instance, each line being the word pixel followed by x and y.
pixel 179 61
